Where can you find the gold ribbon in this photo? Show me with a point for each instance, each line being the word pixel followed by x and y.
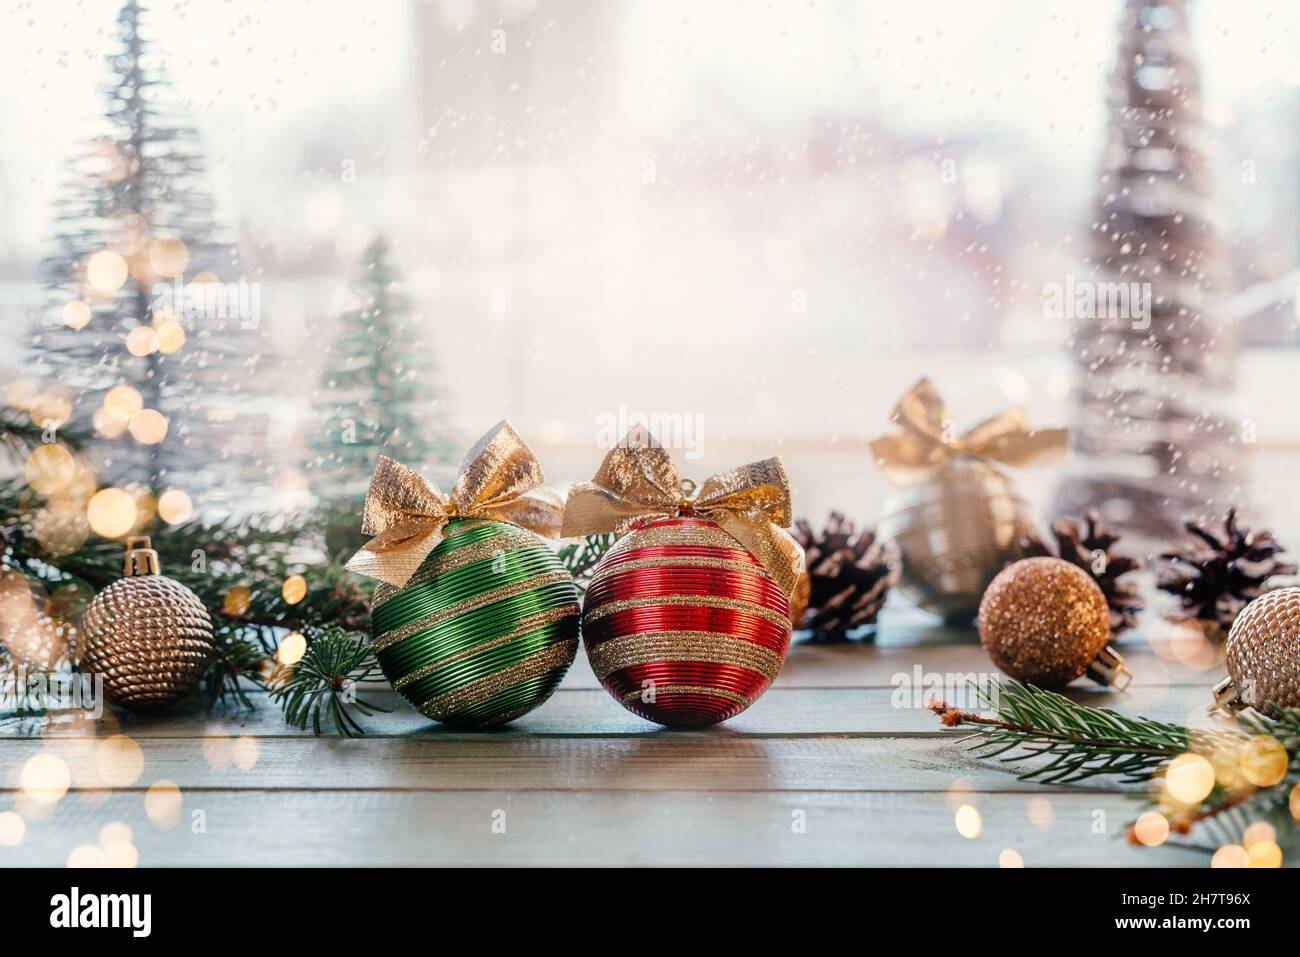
pixel 498 480
pixel 638 481
pixel 928 438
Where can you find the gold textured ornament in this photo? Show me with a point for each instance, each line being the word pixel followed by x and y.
pixel 954 514
pixel 1045 622
pixel 147 636
pixel 1263 655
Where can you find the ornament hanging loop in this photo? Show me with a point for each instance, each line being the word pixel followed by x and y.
pixel 1226 698
pixel 140 558
pixel 686 497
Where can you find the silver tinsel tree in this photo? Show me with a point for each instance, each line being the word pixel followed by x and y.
pixel 1154 438
pixel 377 393
pixel 135 225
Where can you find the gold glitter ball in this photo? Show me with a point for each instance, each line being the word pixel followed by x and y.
pixel 1263 654
pixel 1043 621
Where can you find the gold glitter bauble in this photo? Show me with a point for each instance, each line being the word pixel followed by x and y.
pixel 1263 654
pixel 1044 621
pixel 148 636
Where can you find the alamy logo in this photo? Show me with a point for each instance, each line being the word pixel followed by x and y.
pixel 210 300
pixel 102 910
pixel 1099 300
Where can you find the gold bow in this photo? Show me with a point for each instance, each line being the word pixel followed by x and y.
pixel 638 481
pixel 928 438
pixel 498 480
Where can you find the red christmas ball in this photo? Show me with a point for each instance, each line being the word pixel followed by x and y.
pixel 682 625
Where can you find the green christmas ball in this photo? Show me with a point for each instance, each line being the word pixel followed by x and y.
pixel 485 629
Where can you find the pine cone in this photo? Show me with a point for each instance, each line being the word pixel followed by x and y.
pixel 1090 548
pixel 1216 578
pixel 849 576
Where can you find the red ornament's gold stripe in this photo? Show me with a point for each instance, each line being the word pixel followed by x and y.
pixel 690 561
pixel 740 699
pixel 390 638
pixel 688 601
pixel 678 534
pixel 707 646
pixel 444 705
pixel 527 624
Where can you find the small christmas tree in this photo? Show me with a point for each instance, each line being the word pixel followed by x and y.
pixel 376 392
pixel 155 349
pixel 1155 441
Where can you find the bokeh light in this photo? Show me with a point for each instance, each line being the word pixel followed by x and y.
pixel 76 314
pixel 1230 855
pixel 1010 859
pixel 294 589
pixel 142 341
pixel 171 336
pixel 21 393
pixel 174 507
pixel 106 271
pixel 168 257
pixel 1264 854
pixel 12 829
pixel 968 821
pixel 119 761
pixel 111 512
pixel 1041 813
pixel 1151 829
pixel 1189 778
pixel 291 649
pixel 148 427
pixel 245 751
pixel 162 803
pixel 86 856
pixel 50 469
pixel 1264 761
pixel 237 601
pixel 45 778
pixel 51 408
pixel 122 402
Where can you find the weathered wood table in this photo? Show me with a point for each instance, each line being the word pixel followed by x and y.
pixel 825 769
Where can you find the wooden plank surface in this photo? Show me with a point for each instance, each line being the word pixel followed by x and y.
pixel 349 828
pixel 842 743
pixel 795 712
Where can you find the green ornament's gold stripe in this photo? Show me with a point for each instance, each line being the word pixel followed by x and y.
pixel 473 603
pixel 692 601
pixel 558 655
pixel 460 548
pixel 686 561
pixel 457 586
pixel 730 695
pixel 512 702
pixel 526 624
pixel 711 646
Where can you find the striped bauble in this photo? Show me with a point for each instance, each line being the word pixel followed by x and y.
pixel 485 629
pixel 682 624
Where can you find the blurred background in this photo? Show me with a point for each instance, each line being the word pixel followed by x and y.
pixel 759 222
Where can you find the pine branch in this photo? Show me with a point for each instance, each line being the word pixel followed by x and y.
pixel 19 435
pixel 1078 743
pixel 581 558
pixel 324 683
pixel 238 660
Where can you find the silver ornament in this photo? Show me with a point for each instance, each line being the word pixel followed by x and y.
pixel 956 529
